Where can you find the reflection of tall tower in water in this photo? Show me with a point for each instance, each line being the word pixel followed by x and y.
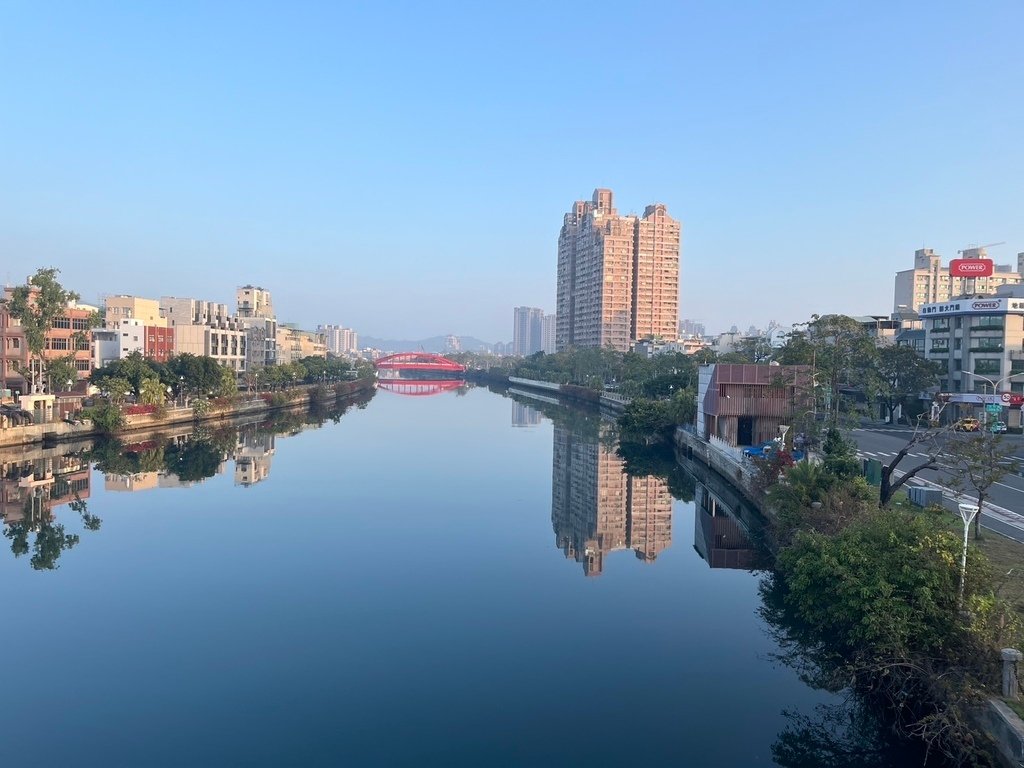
pixel 597 508
pixel 524 415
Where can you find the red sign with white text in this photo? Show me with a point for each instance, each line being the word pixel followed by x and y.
pixel 970 267
pixel 1012 398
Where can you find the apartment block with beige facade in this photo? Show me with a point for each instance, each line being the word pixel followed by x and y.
pixel 618 276
pixel 929 282
pixel 253 301
pixel 122 307
pixel 184 311
pixel 294 344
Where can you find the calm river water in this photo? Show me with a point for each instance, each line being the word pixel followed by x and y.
pixel 452 581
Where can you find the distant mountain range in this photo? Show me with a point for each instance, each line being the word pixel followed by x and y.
pixel 433 344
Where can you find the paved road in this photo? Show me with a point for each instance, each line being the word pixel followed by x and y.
pixel 1004 515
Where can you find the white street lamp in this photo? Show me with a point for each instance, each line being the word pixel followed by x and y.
pixel 967 514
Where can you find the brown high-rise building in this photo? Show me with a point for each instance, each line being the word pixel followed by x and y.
pixel 618 276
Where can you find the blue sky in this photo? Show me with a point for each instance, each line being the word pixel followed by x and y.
pixel 403 168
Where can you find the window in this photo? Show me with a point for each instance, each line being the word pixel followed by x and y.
pixel 987 365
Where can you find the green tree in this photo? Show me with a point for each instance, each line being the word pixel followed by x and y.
pixel 228 384
pixel 117 389
pixel 107 417
pixel 843 356
pixel 976 462
pixel 902 374
pixel 151 392
pixel 36 306
pixel 647 421
pixel 61 373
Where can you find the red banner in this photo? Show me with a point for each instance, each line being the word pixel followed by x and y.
pixel 970 267
pixel 1012 398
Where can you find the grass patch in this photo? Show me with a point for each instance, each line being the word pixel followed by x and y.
pixel 1016 706
pixel 1005 555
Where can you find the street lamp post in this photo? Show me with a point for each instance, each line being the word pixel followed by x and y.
pixel 967 513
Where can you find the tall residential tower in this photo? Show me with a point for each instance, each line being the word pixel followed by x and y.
pixel 618 276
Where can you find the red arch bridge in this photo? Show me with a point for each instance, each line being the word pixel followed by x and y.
pixel 421 362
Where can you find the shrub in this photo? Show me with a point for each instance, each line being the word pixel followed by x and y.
pixel 107 418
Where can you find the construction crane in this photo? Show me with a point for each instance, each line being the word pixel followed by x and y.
pixel 979 247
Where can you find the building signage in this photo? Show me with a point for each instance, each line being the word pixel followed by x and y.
pixel 970 268
pixel 969 306
pixel 976 399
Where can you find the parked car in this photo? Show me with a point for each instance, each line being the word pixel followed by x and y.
pixel 998 427
pixel 967 425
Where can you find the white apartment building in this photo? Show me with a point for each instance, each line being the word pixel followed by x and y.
pixel 979 343
pixel 226 342
pixel 527 331
pixel 548 327
pixel 340 341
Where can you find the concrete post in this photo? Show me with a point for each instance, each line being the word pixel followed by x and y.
pixel 1010 688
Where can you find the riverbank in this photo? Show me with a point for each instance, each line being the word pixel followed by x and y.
pixel 579 395
pixel 822 548
pixel 220 409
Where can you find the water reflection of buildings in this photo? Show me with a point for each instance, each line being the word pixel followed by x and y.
pixel 597 508
pixel 524 415
pixel 719 537
pixel 253 455
pixel 31 489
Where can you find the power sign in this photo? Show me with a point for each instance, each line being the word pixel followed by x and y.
pixel 970 268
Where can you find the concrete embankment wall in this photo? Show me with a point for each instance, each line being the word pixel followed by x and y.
pixel 1006 730
pixel 60 431
pixel 613 403
pixel 730 466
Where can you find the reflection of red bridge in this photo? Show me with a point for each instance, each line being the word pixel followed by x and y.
pixel 419 387
pixel 418 373
pixel 418 361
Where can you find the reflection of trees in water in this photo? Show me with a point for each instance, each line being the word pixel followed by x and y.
pixel 41 534
pixel 190 458
pixel 193 460
pixel 319 412
pixel 659 460
pixel 848 735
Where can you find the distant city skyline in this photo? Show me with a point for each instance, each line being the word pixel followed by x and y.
pixel 405 173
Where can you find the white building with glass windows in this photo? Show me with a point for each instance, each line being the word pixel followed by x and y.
pixel 978 341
